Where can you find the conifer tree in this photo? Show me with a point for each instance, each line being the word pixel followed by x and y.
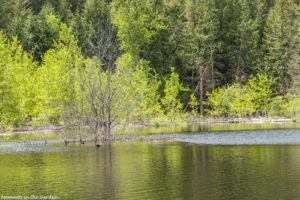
pixel 202 31
pixel 248 39
pixel 294 59
pixel 276 45
pixel 20 20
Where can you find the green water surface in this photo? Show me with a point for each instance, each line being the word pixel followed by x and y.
pixel 141 170
pixel 155 171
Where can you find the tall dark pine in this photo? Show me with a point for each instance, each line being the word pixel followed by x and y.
pixel 203 29
pixel 276 45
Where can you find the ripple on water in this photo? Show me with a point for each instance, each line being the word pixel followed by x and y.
pixel 51 146
pixel 268 137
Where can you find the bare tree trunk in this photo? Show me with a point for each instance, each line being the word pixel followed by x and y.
pixel 239 61
pixel 66 136
pixel 80 135
pixel 201 89
pixel 200 86
pixel 102 103
pixel 95 134
pixel 77 113
pixel 108 124
pixel 211 60
pixel 107 51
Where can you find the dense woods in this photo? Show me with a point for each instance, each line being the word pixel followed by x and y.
pixel 102 64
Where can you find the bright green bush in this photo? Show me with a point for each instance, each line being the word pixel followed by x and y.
pixel 193 103
pixel 171 103
pixel 262 91
pixel 285 106
pixel 214 103
pixel 234 100
pixel 241 101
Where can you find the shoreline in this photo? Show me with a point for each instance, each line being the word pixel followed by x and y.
pixel 59 128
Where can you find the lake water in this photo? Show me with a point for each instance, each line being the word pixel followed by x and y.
pixel 229 165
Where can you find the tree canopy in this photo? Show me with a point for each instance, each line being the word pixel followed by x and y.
pixel 103 63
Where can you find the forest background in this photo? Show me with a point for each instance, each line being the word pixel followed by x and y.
pixel 102 63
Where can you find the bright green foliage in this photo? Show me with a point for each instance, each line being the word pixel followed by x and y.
pixel 127 94
pixel 123 89
pixel 194 104
pixel 120 71
pixel 137 22
pixel 279 107
pixel 215 103
pixel 16 68
pixel 235 101
pixel 56 78
pixel 242 101
pixel 292 109
pixel 137 90
pixel 82 74
pixel 243 104
pixel 261 88
pixel 171 103
pixel 285 106
pixel 147 101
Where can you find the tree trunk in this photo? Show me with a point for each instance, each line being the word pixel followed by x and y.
pixel 211 60
pixel 201 89
pixel 239 63
pixel 108 110
pixel 66 136
pixel 95 134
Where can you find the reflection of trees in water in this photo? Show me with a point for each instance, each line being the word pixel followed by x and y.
pixel 104 186
pixel 139 170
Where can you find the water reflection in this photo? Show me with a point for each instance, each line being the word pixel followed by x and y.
pixel 156 171
pixel 210 127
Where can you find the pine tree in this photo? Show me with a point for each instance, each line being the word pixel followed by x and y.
pixel 44 31
pixel 248 39
pixel 21 19
pixel 276 45
pixel 230 46
pixel 203 32
pixel 294 59
pixel 167 49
